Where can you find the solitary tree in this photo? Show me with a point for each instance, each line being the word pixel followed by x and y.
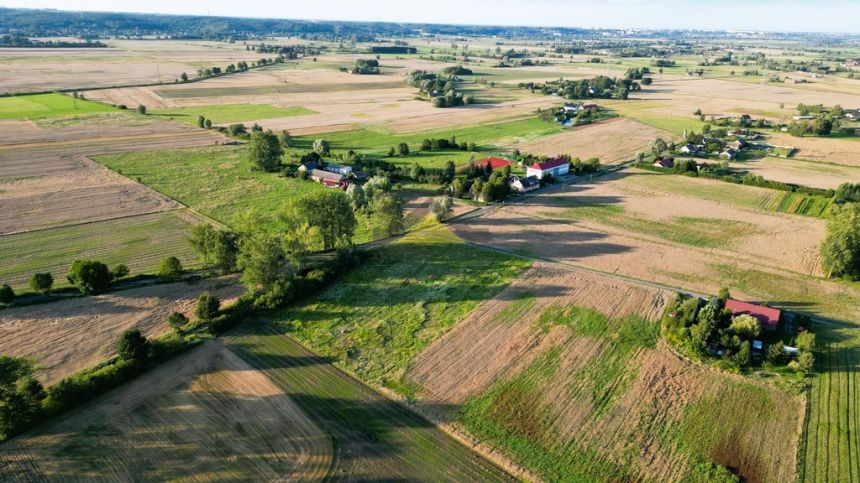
pixel 7 295
pixel 132 346
pixel 42 282
pixel 184 77
pixel 264 151
pixel 90 277
pixel 441 206
pixel 170 267
pixel 141 109
pixel 177 320
pixel 207 306
pixel 840 252
pixel 329 212
pixel 201 121
pixel 119 271
pixel 386 214
pixel 321 147
pixel 658 146
pixel 208 124
pixel 403 149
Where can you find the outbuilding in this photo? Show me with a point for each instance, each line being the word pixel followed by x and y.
pixel 556 167
pixel 524 185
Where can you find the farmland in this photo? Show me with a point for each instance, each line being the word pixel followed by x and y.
pixel 47 105
pixel 613 141
pixel 205 415
pixel 379 317
pixel 519 341
pixel 831 446
pixel 227 113
pixel 564 372
pixel 73 334
pixel 139 242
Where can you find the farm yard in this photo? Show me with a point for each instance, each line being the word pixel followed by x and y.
pixel 73 334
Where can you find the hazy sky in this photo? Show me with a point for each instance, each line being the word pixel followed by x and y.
pixel 772 15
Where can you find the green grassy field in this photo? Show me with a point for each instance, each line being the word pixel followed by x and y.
pixel 376 319
pixel 831 449
pixel 228 113
pixel 216 181
pixel 42 106
pixel 137 241
pixel 374 438
pixel 488 137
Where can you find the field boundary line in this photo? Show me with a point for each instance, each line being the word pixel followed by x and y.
pixel 484 451
pixel 90 222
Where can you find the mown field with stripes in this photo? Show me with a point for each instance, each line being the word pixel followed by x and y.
pixel 831 447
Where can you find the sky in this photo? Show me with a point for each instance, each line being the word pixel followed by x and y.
pixel 755 15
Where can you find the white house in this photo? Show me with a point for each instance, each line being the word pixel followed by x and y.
pixel 524 185
pixel 555 167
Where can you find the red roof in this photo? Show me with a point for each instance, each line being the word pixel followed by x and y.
pixel 495 163
pixel 768 317
pixel 552 163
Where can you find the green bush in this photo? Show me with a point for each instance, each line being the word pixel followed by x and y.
pixel 7 295
pixel 132 346
pixel 170 267
pixel 90 277
pixel 177 320
pixel 119 271
pixel 207 306
pixel 42 282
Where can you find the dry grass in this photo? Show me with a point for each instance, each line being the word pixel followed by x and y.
pixel 206 416
pixel 804 173
pixel 70 335
pixel 613 141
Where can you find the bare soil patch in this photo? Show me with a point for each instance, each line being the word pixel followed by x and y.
pixel 70 335
pixel 204 416
pixel 612 141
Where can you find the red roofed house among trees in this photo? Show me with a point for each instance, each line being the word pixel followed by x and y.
pixel 767 317
pixel 555 167
pixel 495 163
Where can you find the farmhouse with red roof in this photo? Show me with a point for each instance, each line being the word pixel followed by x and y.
pixel 767 317
pixel 494 163
pixel 556 167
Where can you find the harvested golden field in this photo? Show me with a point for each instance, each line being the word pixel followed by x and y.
pixel 801 172
pixel 341 101
pixel 46 180
pixel 123 62
pixel 206 416
pixel 826 150
pixel 563 371
pixel 613 141
pixel 73 334
pixel 690 233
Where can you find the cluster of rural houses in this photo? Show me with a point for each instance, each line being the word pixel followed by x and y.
pixel 534 172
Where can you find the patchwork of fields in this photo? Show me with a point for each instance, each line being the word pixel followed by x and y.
pixel 486 329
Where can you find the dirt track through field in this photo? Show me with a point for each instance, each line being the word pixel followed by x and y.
pixel 70 335
pixel 205 416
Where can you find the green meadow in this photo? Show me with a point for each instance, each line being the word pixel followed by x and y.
pixel 40 106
